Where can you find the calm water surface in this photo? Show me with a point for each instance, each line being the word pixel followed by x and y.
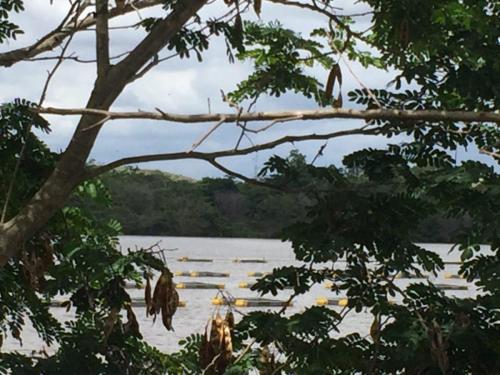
pixel 194 316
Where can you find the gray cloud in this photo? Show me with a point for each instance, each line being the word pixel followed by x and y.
pixel 177 86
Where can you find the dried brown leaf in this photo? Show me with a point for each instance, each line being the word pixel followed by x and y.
pixel 375 329
pixel 109 323
pixel 257 6
pixel 337 103
pixel 132 324
pixel 330 83
pixel 159 292
pixel 404 32
pixel 147 295
pixel 169 308
pixel 229 319
pixel 338 74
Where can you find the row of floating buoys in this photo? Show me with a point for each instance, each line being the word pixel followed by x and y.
pixel 406 275
pixel 258 274
pixel 262 260
pixel 205 260
pixel 248 285
pixel 449 275
pixel 195 285
pixel 250 302
pixel 237 260
pixel 202 274
pixel 183 285
pixel 134 303
pixel 200 260
pixel 451 287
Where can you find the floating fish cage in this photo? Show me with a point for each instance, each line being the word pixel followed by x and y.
pixel 448 275
pixel 200 260
pixel 238 260
pixel 135 303
pixel 202 274
pixel 250 302
pixel 406 275
pixel 248 285
pixel 258 274
pixel 196 285
pixel 322 301
pixel 451 287
pixel 184 285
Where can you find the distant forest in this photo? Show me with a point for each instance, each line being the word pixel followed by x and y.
pixel 150 202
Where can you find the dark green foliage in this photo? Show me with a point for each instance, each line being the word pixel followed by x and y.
pixel 9 30
pixel 75 257
pixel 154 203
pixel 367 212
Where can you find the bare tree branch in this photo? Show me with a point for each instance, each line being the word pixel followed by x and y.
pixel 60 33
pixel 71 167
pixel 207 134
pixel 493 154
pixel 102 38
pixel 252 181
pixel 211 156
pixel 325 11
pixel 316 114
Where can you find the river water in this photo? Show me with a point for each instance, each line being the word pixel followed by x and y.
pixel 193 317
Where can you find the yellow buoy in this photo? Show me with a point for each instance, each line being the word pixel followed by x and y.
pixel 217 301
pixel 328 285
pixel 322 301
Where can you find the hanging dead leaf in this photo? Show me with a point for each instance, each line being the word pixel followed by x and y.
pixel 337 103
pixel 217 348
pixel 132 325
pixel 330 83
pixel 66 304
pixel 238 27
pixel 147 295
pixel 257 6
pixel 404 32
pixel 375 329
pixel 338 74
pixel 267 361
pixel 229 319
pixel 159 292
pixel 169 308
pixel 228 342
pixel 216 332
pixel 206 353
pixel 110 322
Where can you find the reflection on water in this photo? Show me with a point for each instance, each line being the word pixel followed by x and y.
pixel 223 251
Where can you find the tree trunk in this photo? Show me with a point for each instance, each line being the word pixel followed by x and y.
pixel 70 169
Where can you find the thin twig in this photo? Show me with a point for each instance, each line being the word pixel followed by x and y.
pixel 207 134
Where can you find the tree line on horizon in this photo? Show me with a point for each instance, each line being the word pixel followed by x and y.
pixel 156 203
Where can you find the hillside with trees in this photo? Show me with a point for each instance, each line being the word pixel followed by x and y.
pixel 149 202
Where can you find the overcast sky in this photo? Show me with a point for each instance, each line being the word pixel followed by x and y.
pixel 180 86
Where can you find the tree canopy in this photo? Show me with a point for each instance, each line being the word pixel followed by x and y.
pixel 443 95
